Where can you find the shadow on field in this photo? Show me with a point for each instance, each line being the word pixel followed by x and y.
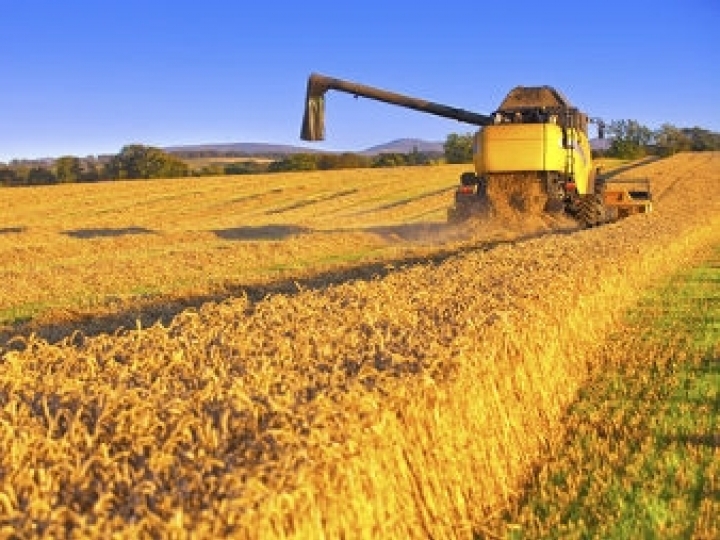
pixel 710 440
pixel 12 230
pixel 414 232
pixel 405 201
pixel 630 166
pixel 263 232
pixel 706 371
pixel 88 234
pixel 122 315
pixel 127 315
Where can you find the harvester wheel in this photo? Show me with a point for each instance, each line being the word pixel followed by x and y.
pixel 554 206
pixel 590 211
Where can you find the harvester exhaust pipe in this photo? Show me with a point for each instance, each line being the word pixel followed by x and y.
pixel 313 128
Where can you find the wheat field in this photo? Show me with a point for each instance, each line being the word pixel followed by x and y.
pixel 80 248
pixel 409 405
pixel 99 256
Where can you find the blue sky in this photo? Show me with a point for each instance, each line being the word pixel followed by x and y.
pixel 85 77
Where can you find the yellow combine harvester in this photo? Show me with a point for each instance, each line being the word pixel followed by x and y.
pixel 531 156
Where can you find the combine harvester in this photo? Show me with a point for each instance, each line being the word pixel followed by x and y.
pixel 531 156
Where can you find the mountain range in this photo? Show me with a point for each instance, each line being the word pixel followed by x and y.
pixel 255 149
pixel 399 146
pixel 402 146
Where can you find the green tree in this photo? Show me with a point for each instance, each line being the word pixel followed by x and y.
pixel 139 161
pixel 295 162
pixel 39 176
pixel 126 164
pixel 390 159
pixel 346 160
pixel 68 169
pixel 415 157
pixel 160 164
pixel 327 162
pixel 630 139
pixel 350 160
pixel 8 176
pixel 671 140
pixel 459 148
pixel 90 171
pixel 702 139
pixel 245 167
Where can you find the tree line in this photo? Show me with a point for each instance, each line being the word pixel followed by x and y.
pixel 134 161
pixel 140 162
pixel 629 140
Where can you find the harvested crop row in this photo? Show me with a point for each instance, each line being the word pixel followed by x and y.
pixel 408 406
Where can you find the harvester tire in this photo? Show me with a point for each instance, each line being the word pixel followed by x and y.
pixel 554 206
pixel 591 211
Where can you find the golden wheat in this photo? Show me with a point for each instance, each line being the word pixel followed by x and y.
pixel 81 247
pixel 401 407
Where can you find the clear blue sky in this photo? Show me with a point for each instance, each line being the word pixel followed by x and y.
pixel 85 77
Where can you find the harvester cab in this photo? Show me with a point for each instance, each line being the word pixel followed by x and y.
pixel 530 156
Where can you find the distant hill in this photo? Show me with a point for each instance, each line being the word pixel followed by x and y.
pixel 249 148
pixel 402 146
pixel 405 146
pixel 600 145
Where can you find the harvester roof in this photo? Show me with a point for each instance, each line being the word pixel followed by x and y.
pixel 535 103
pixel 522 97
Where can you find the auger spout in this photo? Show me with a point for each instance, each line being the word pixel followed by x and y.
pixel 313 127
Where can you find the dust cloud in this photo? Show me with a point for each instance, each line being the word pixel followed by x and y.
pixel 488 227
pixel 515 209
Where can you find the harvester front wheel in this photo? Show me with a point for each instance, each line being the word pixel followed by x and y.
pixel 591 211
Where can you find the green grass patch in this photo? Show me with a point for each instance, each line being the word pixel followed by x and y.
pixel 22 313
pixel 642 454
pixel 345 258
